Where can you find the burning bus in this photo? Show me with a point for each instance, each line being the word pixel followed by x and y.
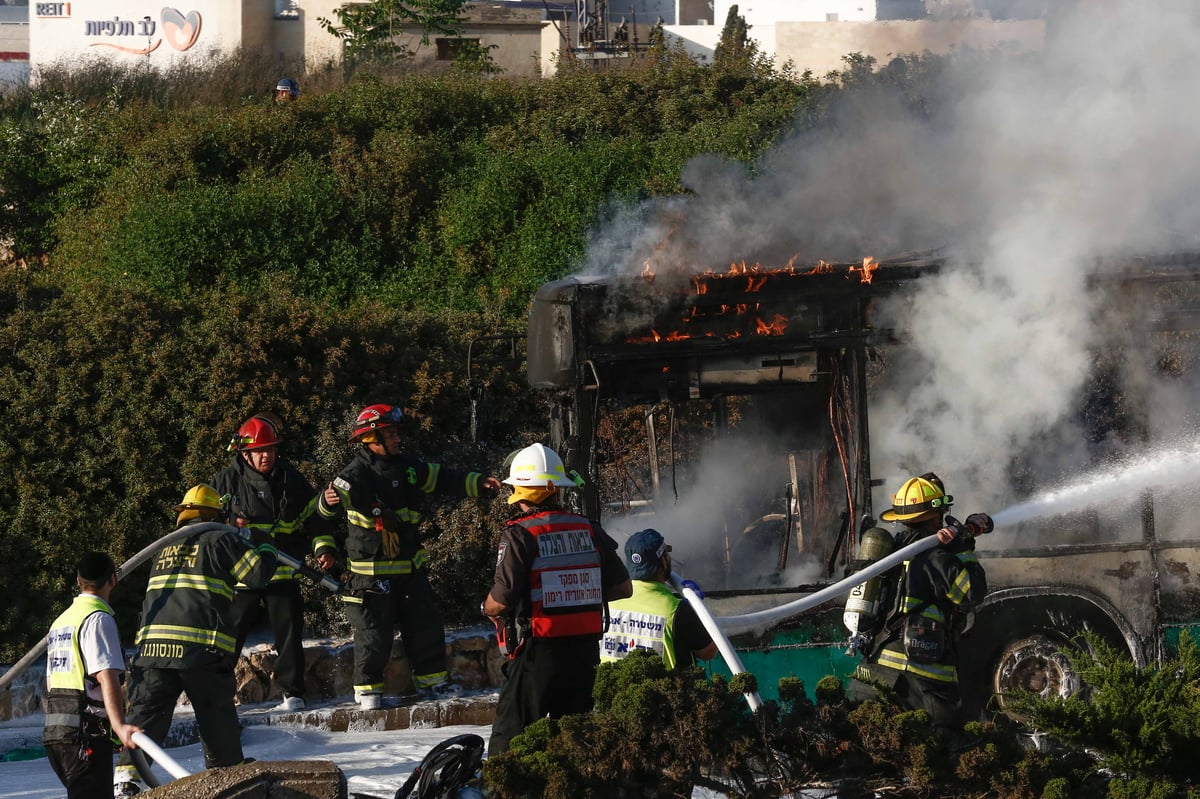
pixel 730 410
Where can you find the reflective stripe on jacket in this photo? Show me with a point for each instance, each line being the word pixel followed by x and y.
pixel 565 591
pixel 66 673
pixel 186 619
pixel 645 620
pixel 381 498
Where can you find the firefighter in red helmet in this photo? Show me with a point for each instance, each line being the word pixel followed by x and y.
pixel 380 492
pixel 913 649
pixel 264 493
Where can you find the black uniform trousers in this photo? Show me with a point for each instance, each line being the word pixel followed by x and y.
pixel 941 700
pixel 548 677
pixel 285 610
pixel 87 776
pixel 411 606
pixel 152 696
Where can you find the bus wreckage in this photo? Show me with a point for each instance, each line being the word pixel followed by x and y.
pixel 730 411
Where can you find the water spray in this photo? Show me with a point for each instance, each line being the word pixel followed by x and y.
pixel 1168 469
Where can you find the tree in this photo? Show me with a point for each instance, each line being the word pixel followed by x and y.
pixel 369 30
pixel 735 48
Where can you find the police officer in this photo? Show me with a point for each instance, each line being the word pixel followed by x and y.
pixel 915 649
pixel 187 640
pixel 380 491
pixel 654 617
pixel 286 90
pixel 84 670
pixel 554 572
pixel 264 493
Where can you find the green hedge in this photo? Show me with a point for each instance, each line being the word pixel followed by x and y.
pixel 116 400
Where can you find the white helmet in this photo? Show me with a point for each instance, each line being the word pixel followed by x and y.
pixel 537 465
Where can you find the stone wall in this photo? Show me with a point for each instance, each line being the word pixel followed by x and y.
pixel 471 658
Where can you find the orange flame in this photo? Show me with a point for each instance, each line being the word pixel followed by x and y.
pixel 867 272
pixel 775 327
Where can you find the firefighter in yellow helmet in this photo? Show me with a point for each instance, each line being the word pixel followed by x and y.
pixel 186 641
pixel 929 603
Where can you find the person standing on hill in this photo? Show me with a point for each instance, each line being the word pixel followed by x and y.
pixel 85 666
pixel 266 494
pixel 286 90
pixel 381 491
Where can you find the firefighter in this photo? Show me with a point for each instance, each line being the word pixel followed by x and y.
pixel 261 492
pixel 380 491
pixel 286 90
pixel 914 652
pixel 655 618
pixel 554 572
pixel 186 642
pixel 84 670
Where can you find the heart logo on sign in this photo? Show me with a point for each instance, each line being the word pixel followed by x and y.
pixel 180 32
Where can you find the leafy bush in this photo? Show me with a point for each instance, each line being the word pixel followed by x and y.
pixel 117 399
pixel 1141 724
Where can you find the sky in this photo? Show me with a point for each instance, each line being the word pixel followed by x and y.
pixel 1021 175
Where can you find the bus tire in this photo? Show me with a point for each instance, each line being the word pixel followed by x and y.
pixel 1022 640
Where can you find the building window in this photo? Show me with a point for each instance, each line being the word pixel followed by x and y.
pixel 448 49
pixel 287 9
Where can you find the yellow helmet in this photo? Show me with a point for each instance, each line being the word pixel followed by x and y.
pixel 918 499
pixel 196 501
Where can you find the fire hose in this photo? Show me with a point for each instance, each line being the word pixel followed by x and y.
pixel 765 619
pixel 322 579
pixel 719 638
pixel 147 746
pixel 126 567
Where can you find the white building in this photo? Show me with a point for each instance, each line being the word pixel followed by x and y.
pixel 817 34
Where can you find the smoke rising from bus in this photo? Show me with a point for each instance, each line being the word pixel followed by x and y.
pixel 1023 171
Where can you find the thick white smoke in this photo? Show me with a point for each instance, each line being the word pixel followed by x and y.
pixel 1023 171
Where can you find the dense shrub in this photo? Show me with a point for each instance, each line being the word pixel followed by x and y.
pixel 116 400
pixel 451 191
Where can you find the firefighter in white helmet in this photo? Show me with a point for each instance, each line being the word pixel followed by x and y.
pixel 914 649
pixel 554 572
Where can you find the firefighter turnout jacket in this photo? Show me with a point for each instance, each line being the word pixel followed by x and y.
pixel 381 497
pixel 186 614
pixel 281 503
pixel 935 593
pixel 67 696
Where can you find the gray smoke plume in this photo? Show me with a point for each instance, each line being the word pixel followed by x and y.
pixel 1023 171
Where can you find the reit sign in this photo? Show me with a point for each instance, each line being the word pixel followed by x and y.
pixel 52 10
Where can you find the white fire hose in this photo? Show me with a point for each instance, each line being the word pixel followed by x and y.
pixel 722 641
pixel 764 619
pixel 172 767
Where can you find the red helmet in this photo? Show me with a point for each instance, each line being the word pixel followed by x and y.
pixel 256 432
pixel 375 417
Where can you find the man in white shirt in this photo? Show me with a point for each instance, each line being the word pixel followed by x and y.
pixel 84 705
